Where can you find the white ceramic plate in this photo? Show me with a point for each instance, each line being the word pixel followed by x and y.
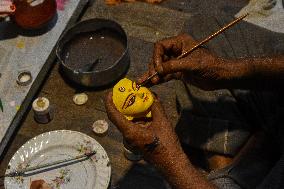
pixel 93 173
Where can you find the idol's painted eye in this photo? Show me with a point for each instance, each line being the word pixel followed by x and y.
pixel 135 87
pixel 130 100
pixel 121 89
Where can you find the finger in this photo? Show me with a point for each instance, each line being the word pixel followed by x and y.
pixel 156 79
pixel 142 78
pixel 158 58
pixel 117 117
pixel 168 43
pixel 157 111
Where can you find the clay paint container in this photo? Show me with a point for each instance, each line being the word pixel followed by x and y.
pixel 42 110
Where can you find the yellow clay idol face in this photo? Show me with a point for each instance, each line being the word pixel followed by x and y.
pixel 132 100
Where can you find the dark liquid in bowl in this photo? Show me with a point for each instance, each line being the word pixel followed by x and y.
pixel 85 48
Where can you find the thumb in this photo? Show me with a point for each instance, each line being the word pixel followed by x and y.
pixel 116 117
pixel 157 111
pixel 142 78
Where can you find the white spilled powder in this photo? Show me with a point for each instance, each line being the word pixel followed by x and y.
pixel 24 78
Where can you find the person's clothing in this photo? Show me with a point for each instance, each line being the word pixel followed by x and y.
pixel 265 13
pixel 221 121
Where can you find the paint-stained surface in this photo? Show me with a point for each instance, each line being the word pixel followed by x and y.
pixel 144 24
pixel 26 50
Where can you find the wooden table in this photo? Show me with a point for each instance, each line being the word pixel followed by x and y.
pixel 144 25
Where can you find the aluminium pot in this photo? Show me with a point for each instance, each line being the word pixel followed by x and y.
pixel 114 66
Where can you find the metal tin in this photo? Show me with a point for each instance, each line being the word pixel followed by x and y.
pixel 24 78
pixel 95 78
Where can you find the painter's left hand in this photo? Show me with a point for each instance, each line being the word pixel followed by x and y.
pixel 154 139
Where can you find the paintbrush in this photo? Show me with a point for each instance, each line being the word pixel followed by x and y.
pixel 89 67
pixel 23 172
pixel 199 44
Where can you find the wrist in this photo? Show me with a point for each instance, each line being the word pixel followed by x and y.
pixel 234 73
pixel 165 159
pixel 178 170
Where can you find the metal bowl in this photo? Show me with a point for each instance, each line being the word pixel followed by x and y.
pixel 89 41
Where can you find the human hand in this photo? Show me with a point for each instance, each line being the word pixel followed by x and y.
pixel 6 7
pixel 154 138
pixel 201 67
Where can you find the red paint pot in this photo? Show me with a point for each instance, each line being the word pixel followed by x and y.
pixel 28 16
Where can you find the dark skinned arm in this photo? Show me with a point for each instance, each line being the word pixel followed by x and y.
pixel 179 172
pixel 167 155
pixel 208 71
pixel 253 73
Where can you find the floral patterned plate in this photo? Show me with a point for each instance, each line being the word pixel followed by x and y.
pixel 93 173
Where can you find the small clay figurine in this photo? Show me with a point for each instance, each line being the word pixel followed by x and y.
pixel 132 100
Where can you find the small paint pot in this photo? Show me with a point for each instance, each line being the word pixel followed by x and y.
pixel 80 99
pixel 100 127
pixel 24 78
pixel 42 110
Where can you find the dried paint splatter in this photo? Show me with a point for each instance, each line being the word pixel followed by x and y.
pixel 61 4
pixel 21 44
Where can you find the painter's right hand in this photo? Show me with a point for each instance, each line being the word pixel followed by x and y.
pixel 199 66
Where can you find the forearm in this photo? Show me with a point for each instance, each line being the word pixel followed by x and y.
pixel 253 73
pixel 179 171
